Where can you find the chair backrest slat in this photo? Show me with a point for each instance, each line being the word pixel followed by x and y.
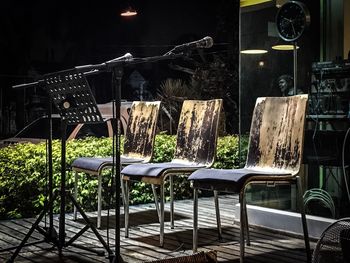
pixel 277 133
pixel 197 131
pixel 141 129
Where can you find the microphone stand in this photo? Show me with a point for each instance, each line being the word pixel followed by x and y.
pixel 117 69
pixel 117 75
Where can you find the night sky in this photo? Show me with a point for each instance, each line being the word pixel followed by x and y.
pixel 39 37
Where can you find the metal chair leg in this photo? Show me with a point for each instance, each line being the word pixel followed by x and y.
pixel 161 238
pixel 122 188
pixel 126 209
pixel 171 179
pixel 303 219
pixel 156 203
pixel 217 210
pixel 195 220
pixel 242 225
pixel 75 213
pixel 246 221
pixel 99 201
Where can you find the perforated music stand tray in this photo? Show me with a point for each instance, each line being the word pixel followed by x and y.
pixel 72 96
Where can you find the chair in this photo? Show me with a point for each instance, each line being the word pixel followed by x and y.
pixel 138 147
pixel 195 148
pixel 274 156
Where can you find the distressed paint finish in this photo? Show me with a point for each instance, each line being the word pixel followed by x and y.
pixel 197 131
pixel 276 135
pixel 141 129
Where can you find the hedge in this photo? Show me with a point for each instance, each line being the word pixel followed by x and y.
pixel 23 170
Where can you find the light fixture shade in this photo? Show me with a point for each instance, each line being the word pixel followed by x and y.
pixel 254 51
pixel 129 12
pixel 283 47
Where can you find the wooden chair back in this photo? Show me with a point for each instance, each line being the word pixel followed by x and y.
pixel 277 134
pixel 141 130
pixel 197 132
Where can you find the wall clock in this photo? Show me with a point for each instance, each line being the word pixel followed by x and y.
pixel 291 20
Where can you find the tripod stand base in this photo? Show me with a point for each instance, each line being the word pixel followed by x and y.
pixel 51 236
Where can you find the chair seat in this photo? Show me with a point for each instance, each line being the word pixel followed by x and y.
pixel 227 179
pixel 95 164
pixel 157 169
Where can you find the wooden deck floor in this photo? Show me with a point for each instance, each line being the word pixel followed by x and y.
pixel 142 245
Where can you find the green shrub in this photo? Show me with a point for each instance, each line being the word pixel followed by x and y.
pixel 23 170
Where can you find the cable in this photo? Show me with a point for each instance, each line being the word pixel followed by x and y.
pixel 320 195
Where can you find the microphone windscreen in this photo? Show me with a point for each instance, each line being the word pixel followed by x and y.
pixel 208 42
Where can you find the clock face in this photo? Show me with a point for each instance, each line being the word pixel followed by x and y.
pixel 291 20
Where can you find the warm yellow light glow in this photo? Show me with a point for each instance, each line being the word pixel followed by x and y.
pixel 129 12
pixel 254 51
pixel 283 47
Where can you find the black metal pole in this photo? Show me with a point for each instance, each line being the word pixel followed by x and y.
pixel 50 186
pixel 61 236
pixel 295 69
pixel 117 75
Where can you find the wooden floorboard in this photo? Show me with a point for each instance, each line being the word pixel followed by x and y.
pixel 143 242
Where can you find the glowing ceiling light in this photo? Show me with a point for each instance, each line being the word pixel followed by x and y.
pixel 283 47
pixel 129 12
pixel 254 51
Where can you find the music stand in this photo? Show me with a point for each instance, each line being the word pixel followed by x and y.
pixel 72 96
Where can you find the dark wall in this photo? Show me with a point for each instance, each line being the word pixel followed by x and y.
pixel 38 37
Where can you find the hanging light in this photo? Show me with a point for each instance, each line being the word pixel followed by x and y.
pixel 253 51
pixel 283 47
pixel 129 11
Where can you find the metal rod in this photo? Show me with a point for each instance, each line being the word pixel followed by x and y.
pixel 217 210
pixel 242 221
pixel 171 178
pixel 156 203
pixel 75 211
pixel 99 201
pixel 161 238
pixel 116 85
pixel 50 167
pixel 195 220
pixel 31 230
pixel 303 219
pixel 295 70
pixel 61 234
pixel 126 209
pixel 88 222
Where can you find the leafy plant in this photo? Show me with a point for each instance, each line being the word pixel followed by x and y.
pixel 24 169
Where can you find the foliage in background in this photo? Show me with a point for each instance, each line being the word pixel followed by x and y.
pixel 172 93
pixel 23 169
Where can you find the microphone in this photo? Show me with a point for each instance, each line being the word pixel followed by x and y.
pixel 126 57
pixel 105 65
pixel 206 42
